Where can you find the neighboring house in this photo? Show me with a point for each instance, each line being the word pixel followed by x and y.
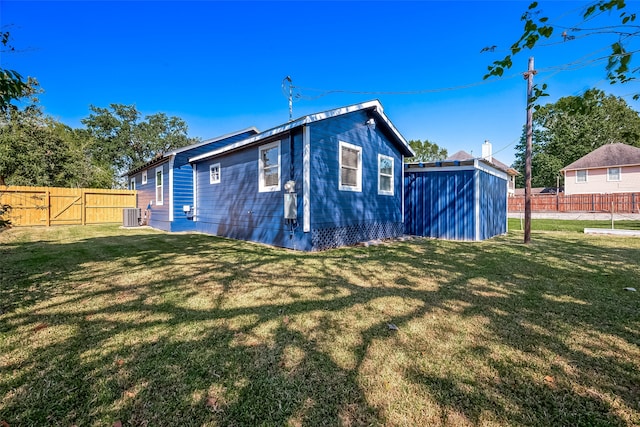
pixel 488 156
pixel 322 181
pixel 165 184
pixel 611 168
pixel 456 200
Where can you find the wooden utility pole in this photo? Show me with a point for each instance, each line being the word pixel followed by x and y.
pixel 527 154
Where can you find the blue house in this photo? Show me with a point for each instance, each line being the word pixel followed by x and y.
pixel 455 200
pixel 165 184
pixel 325 180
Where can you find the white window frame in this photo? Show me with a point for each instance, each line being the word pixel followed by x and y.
pixel 345 187
pixel 144 177
pixel 159 201
pixel 132 183
pixel 262 187
pixel 214 179
pixel 380 175
pixel 586 176
pixel 619 174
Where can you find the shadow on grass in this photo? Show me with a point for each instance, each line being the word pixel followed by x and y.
pixel 159 329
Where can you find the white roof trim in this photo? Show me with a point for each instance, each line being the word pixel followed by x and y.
pixel 375 104
pixel 478 164
pixel 209 141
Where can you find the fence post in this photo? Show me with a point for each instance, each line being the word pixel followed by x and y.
pixel 47 200
pixel 83 201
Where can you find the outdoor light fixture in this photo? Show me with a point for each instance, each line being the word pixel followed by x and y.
pixel 371 123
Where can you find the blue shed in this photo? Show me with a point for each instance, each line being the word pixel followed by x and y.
pixel 455 200
pixel 165 184
pixel 322 181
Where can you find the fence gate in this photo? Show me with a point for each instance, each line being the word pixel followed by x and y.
pixel 64 206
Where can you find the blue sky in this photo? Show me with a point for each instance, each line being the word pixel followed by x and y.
pixel 220 65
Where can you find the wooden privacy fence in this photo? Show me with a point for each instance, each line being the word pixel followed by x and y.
pixel 618 202
pixel 64 206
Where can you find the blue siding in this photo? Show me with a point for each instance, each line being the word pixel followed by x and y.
pixel 454 204
pixel 493 202
pixel 182 195
pixel 183 180
pixel 159 214
pixel 235 208
pixel 440 204
pixel 367 211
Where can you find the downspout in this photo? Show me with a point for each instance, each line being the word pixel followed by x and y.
pixel 476 208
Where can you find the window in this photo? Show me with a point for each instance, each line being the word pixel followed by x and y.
pixel 613 174
pixel 385 175
pixel 350 160
pixel 144 177
pixel 159 186
pixel 214 174
pixel 581 176
pixel 132 184
pixel 269 167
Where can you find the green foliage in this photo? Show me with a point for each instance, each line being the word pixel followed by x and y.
pixel 124 141
pixel 426 151
pixel 12 84
pixel 537 28
pixel 573 127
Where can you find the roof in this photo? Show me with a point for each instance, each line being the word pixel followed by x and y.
pixel 164 156
pixel 476 163
pixel 374 106
pixel 616 154
pixel 463 155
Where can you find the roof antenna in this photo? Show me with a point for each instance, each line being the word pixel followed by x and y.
pixel 288 82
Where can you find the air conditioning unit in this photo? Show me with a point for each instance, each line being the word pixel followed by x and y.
pixel 131 217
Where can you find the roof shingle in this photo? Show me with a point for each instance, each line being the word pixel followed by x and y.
pixel 616 154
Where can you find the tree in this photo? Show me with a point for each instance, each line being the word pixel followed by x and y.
pixel 30 152
pixel 12 84
pixel 122 141
pixel 426 151
pixel 573 127
pixel 537 27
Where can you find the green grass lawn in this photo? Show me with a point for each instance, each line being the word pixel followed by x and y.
pixel 100 324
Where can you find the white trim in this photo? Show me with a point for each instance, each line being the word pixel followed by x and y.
pixel 375 105
pixel 306 179
pixel 492 171
pixel 215 181
pixel 262 188
pixel 476 207
pixel 586 176
pixel 144 177
pixel 386 192
pixel 476 165
pixel 358 186
pixel 132 183
pixel 155 186
pixel 195 190
pixel 171 161
pixel 619 174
